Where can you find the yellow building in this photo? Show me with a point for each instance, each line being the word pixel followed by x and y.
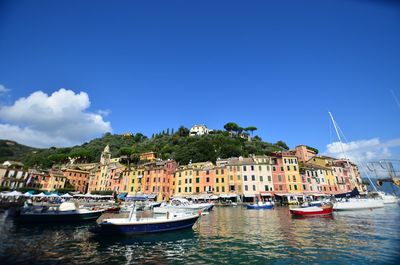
pixel 291 168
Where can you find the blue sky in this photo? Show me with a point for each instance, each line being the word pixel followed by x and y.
pixel 148 65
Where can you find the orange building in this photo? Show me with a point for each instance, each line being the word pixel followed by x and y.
pixel 77 178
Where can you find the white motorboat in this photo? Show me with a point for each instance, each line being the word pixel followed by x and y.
pixel 182 205
pixel 351 204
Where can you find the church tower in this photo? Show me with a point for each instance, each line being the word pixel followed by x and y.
pixel 105 156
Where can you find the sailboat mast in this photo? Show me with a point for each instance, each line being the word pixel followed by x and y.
pixel 340 140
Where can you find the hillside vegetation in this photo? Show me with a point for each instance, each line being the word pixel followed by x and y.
pixel 179 146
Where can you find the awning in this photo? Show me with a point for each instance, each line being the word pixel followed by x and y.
pixel 122 195
pixel 266 193
pixel 136 198
pixel 228 195
pixel 152 196
pixel 249 195
pixel 290 194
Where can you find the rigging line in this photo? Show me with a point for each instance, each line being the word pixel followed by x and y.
pixel 395 98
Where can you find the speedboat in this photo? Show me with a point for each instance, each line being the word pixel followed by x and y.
pixel 261 205
pixel 138 225
pixel 65 212
pixel 182 205
pixel 316 208
pixel 351 204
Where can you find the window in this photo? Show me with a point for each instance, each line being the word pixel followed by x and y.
pixel 197 180
pixel 252 168
pixel 231 177
pixel 290 187
pixel 288 168
pixel 244 168
pixel 266 188
pixel 185 189
pixel 131 188
pixel 304 187
pixel 254 187
pixel 245 178
pixel 267 168
pixel 273 168
pixel 238 177
pixel 280 187
pixel 197 189
pixel 223 189
pixel 222 171
pixel 246 188
pixel 197 172
pixel 281 168
pixel 216 172
pixel 208 172
pixel 294 178
pixel 294 168
pixel 207 179
pixel 217 189
pixel 279 178
pixel 217 180
pixel 222 180
pixel 259 168
pixel 269 178
pixel 253 178
pixel 261 179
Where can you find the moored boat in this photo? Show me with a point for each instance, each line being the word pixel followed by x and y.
pixel 260 205
pixel 65 212
pixel 313 209
pixel 137 225
pixel 351 204
pixel 182 205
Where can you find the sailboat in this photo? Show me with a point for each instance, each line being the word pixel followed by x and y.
pixel 350 204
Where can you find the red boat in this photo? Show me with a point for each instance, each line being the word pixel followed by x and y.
pixel 313 210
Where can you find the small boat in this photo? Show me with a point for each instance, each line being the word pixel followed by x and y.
pixel 313 209
pixel 261 205
pixel 351 204
pixel 137 225
pixel 65 212
pixel 182 205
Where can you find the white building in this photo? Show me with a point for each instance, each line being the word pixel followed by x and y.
pixel 199 130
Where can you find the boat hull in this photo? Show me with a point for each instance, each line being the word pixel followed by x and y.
pixel 316 211
pixel 358 205
pixel 59 218
pixel 109 228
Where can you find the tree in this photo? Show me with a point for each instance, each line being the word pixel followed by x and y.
pixel 251 129
pixel 167 131
pixel 282 144
pixel 183 131
pixel 231 127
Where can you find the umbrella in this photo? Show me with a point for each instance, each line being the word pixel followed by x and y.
pixel 66 195
pixel 40 195
pixel 13 193
pixel 53 195
pixel 27 194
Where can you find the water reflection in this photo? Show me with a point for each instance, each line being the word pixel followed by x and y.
pixel 228 235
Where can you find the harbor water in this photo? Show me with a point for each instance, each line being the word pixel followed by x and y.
pixel 225 236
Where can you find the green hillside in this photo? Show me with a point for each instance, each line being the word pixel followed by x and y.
pixel 178 146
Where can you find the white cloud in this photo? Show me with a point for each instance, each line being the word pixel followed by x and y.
pixel 3 89
pixel 363 150
pixel 59 119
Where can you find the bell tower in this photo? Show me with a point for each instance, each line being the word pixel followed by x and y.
pixel 105 156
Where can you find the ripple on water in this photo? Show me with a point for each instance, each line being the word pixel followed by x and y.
pixel 226 236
